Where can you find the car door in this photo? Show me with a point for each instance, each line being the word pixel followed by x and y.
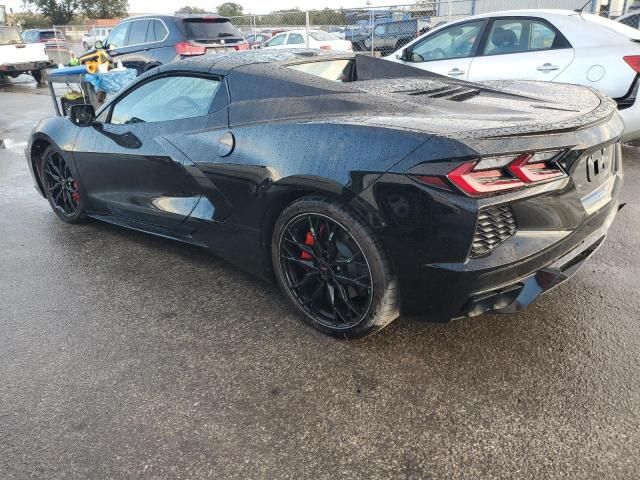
pixel 447 51
pixel 521 48
pixel 129 163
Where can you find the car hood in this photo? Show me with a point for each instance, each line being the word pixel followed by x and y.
pixel 489 109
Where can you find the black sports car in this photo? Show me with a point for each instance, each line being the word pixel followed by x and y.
pixel 364 187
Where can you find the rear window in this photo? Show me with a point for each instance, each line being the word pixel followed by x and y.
pixel 322 36
pixel 210 29
pixel 49 34
pixel 9 36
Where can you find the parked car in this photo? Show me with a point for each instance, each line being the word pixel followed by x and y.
pixel 548 45
pixel 317 39
pixel 17 58
pixel 361 186
pixel 90 38
pixel 390 36
pixel 257 40
pixel 147 41
pixel 43 36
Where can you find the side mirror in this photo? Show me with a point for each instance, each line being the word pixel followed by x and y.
pixel 98 45
pixel 406 54
pixel 82 115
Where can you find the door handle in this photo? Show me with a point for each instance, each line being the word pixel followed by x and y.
pixel 455 72
pixel 547 67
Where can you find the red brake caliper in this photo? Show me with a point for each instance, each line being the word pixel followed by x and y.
pixel 307 241
pixel 75 195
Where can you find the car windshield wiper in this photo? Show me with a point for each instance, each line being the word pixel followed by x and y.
pixel 226 34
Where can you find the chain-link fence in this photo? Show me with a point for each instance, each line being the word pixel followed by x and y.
pixel 382 30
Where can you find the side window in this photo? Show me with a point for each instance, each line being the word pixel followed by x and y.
pixel 522 35
pixel 118 35
pixel 379 30
pixel 277 40
pixel 166 98
pixel 457 41
pixel 138 32
pixel 295 39
pixel 160 31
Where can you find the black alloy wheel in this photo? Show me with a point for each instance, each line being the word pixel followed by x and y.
pixel 60 187
pixel 332 269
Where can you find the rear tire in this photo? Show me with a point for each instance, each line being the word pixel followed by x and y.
pixel 60 187
pixel 331 267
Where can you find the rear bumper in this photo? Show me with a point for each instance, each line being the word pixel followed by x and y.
pixel 440 292
pixel 521 293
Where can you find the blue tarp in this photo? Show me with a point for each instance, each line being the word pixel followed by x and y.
pixel 113 81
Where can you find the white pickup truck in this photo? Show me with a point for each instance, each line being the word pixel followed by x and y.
pixel 17 57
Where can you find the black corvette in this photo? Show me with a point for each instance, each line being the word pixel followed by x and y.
pixel 365 188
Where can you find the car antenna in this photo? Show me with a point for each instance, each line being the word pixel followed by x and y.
pixel 579 10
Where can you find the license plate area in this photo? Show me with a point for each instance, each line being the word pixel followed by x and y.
pixel 593 169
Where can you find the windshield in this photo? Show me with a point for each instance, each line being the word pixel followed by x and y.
pixel 322 36
pixel 9 36
pixel 210 29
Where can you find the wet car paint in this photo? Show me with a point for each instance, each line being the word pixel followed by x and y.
pixel 294 135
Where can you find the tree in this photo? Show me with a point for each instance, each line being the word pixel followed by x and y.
pixel 191 10
pixel 104 8
pixel 59 12
pixel 28 20
pixel 229 9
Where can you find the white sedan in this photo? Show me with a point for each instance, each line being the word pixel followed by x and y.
pixel 317 39
pixel 549 45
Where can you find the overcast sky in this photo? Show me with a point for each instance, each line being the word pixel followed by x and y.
pixel 250 6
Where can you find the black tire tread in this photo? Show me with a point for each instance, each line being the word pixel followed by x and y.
pixel 80 215
pixel 383 311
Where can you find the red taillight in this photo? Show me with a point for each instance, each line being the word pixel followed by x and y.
pixel 500 174
pixel 633 61
pixel 242 46
pixel 529 169
pixel 189 49
pixel 481 182
pixel 325 47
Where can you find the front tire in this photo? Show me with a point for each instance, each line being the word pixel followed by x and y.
pixel 331 267
pixel 60 187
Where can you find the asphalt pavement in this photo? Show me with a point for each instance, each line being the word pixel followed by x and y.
pixel 125 356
